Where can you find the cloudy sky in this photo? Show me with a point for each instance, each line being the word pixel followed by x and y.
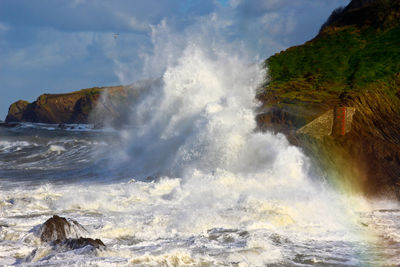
pixel 49 46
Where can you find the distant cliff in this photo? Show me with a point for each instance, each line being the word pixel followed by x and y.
pixel 110 103
pixel 353 64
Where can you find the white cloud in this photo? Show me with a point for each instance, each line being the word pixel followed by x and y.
pixel 53 49
pixel 259 7
pixel 276 24
pixel 89 15
pixel 234 3
pixel 133 23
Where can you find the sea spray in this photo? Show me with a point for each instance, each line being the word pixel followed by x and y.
pixel 211 171
pixel 219 192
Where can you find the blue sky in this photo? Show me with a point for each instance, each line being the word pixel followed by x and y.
pixel 49 46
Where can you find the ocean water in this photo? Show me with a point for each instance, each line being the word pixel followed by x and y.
pixel 187 182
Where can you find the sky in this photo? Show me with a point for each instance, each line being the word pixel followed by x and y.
pixel 49 46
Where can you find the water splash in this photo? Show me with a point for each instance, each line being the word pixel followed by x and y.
pixel 222 193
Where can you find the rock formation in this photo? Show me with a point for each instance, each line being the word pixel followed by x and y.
pixel 365 13
pixel 66 233
pixel 77 243
pixel 75 107
pixel 61 234
pixel 59 229
pixel 16 111
pixel 353 63
pixel 101 106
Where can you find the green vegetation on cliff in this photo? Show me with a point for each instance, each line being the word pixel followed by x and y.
pixel 354 62
pixel 358 48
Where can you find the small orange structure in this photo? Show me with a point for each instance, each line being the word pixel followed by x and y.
pixel 339 121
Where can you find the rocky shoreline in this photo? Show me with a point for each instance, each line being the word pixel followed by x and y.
pixel 337 97
pixel 62 234
pixel 316 86
pixel 98 106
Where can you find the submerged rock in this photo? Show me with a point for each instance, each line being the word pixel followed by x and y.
pixel 59 229
pixel 77 243
pixel 8 125
pixel 62 234
pixel 67 233
pixel 68 244
pixel 62 126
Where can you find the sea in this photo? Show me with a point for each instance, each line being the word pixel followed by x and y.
pixel 188 181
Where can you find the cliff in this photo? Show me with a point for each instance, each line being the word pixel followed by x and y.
pixel 110 103
pixel 351 66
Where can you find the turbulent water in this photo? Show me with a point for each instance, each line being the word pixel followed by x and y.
pixel 188 182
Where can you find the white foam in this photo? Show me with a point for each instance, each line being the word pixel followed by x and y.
pixel 56 148
pixel 223 194
pixel 174 218
pixel 9 146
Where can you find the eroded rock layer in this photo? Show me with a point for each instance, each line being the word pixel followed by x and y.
pixel 338 97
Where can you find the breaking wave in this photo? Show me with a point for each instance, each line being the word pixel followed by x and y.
pixel 193 183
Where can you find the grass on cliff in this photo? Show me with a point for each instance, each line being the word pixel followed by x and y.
pixel 338 60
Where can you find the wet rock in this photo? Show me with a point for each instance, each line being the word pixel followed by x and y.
pixel 58 246
pixel 8 124
pixel 59 228
pixel 62 126
pixel 77 243
pixel 36 255
pixel 280 120
pixel 98 125
pixel 227 235
pixel 65 233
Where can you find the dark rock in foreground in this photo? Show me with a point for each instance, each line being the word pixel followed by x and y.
pixel 59 229
pixel 77 243
pixel 65 233
pixel 89 244
pixel 8 124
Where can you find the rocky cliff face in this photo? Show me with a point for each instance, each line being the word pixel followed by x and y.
pixel 353 64
pixel 365 13
pixel 16 111
pixel 111 103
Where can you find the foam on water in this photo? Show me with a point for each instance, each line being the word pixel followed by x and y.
pixel 54 127
pixel 213 220
pixel 57 149
pixel 222 194
pixel 9 146
pixel 219 192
